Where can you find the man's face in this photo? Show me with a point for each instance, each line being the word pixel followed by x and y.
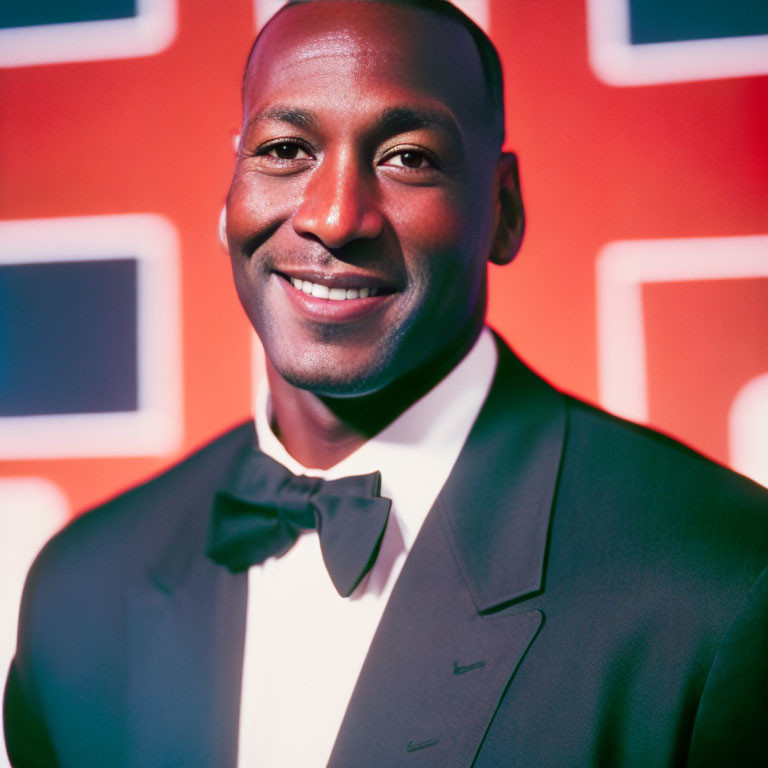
pixel 365 170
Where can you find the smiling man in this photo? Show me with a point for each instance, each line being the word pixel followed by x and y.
pixel 365 205
pixel 422 554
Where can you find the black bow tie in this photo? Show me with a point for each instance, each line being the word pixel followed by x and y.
pixel 264 507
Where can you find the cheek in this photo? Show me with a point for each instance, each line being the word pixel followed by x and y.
pixel 256 203
pixel 444 241
pixel 427 220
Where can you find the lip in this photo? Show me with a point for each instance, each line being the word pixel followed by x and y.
pixel 338 279
pixel 327 310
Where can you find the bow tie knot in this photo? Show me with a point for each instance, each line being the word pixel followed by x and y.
pixel 264 508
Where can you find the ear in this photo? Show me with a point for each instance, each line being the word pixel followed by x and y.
pixel 509 215
pixel 223 228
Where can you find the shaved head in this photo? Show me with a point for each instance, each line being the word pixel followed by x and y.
pixel 486 51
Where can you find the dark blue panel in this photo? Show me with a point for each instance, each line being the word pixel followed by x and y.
pixel 664 21
pixel 28 13
pixel 68 337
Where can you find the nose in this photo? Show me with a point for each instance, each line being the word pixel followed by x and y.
pixel 339 203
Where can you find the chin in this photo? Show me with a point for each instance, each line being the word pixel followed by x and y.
pixel 326 377
pixel 334 383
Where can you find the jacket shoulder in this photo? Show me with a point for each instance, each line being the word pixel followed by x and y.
pixel 614 446
pixel 657 494
pixel 128 530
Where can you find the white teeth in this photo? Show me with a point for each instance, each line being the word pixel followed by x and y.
pixel 333 294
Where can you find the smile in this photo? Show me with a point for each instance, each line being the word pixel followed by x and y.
pixel 338 298
pixel 332 294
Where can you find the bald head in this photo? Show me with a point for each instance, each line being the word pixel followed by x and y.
pixel 368 161
pixel 480 51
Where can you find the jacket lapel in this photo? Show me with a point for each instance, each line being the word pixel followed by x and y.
pixel 451 637
pixel 186 632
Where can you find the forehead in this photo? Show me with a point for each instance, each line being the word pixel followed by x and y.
pixel 338 51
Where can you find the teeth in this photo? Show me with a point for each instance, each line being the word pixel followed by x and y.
pixel 332 294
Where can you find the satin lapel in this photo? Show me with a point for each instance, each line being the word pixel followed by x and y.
pixel 451 638
pixel 186 633
pixel 435 671
pixel 500 495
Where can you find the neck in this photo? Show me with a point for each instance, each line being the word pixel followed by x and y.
pixel 320 431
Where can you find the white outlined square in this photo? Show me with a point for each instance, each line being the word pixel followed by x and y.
pixel 616 61
pixel 150 31
pixel 623 267
pixel 477 10
pixel 32 509
pixel 155 428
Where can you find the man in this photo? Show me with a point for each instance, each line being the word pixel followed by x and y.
pixel 549 587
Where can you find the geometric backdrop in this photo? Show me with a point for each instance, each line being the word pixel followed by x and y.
pixel 642 283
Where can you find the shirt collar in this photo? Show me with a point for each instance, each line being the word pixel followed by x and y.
pixel 416 452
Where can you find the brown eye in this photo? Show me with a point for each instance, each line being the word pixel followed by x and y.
pixel 286 151
pixel 409 158
pixel 412 159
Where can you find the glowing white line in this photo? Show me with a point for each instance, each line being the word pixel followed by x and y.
pixel 616 61
pixel 156 427
pixel 477 10
pixel 622 269
pixel 151 31
pixel 748 430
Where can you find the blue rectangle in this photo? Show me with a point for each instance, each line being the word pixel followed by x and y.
pixel 68 337
pixel 31 13
pixel 666 21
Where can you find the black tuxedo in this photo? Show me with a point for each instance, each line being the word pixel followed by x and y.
pixel 583 593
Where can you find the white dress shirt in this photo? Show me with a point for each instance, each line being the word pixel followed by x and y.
pixel 304 644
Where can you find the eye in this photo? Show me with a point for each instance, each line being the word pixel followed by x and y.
pixel 408 158
pixel 285 150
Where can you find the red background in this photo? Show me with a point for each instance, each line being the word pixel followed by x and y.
pixel 598 163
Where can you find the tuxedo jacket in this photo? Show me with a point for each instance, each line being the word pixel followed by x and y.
pixel 583 592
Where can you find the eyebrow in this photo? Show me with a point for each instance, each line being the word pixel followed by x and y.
pixel 390 122
pixel 403 119
pixel 301 118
